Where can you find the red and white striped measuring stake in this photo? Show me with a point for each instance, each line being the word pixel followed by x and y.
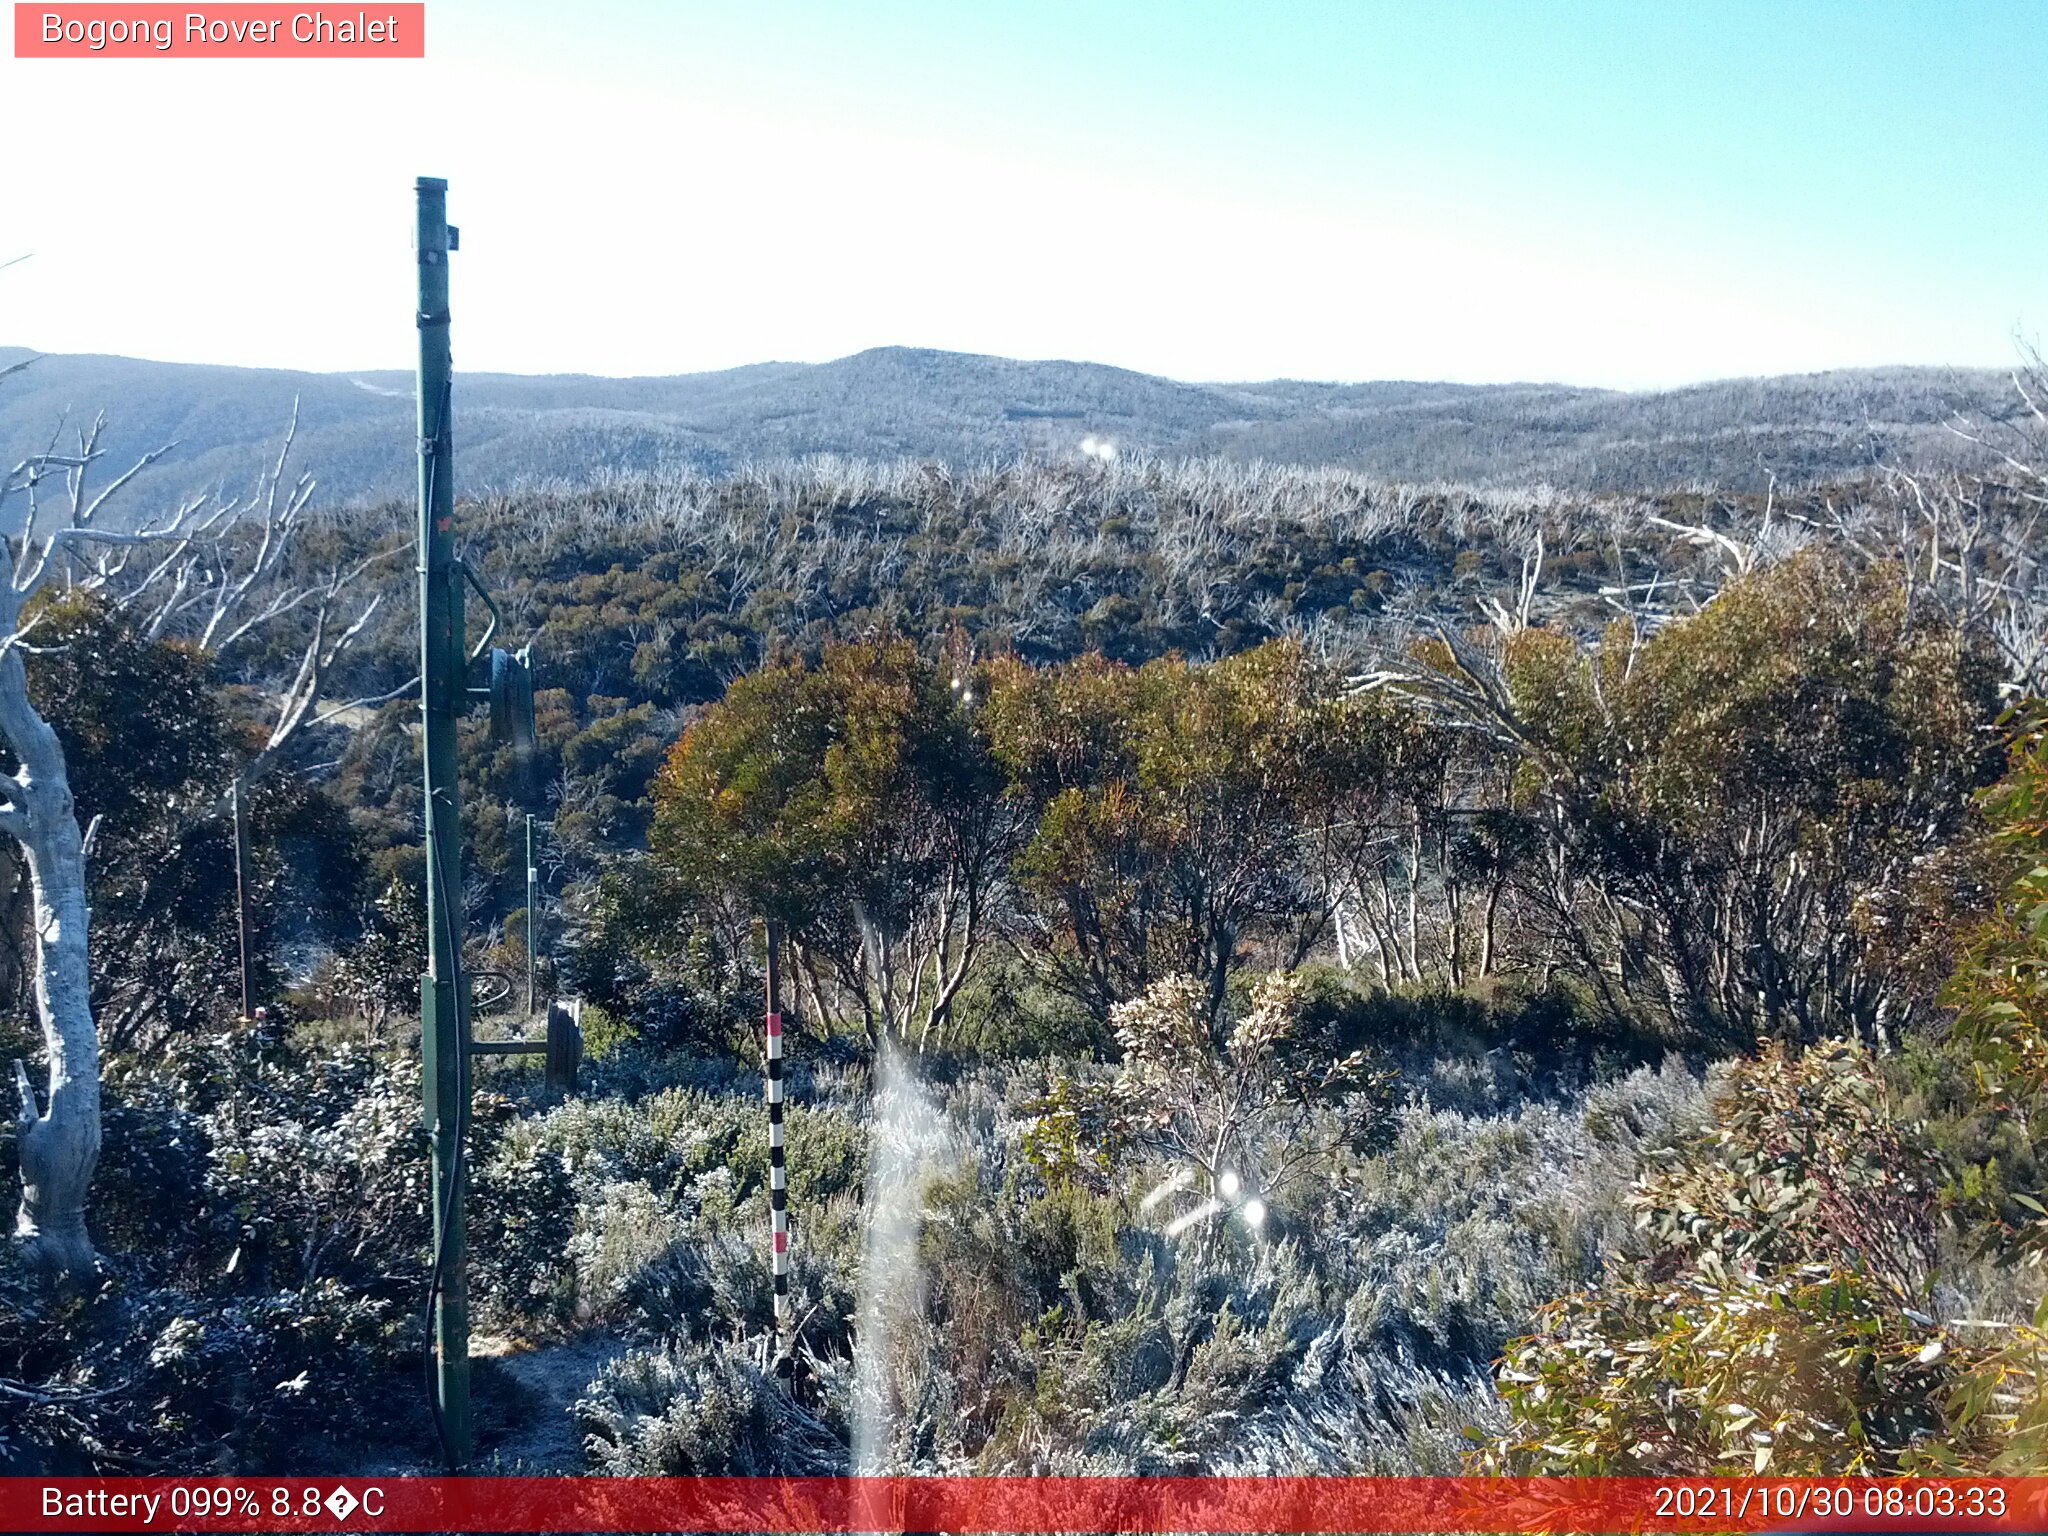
pixel 778 1171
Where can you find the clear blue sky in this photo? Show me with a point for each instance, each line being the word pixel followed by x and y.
pixel 1630 194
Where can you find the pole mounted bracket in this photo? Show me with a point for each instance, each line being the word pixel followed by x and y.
pixel 562 1046
pixel 510 692
pixel 438 317
pixel 512 721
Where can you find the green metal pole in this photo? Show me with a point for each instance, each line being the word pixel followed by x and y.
pixel 444 1001
pixel 532 911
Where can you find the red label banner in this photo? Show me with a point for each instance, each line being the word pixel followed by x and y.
pixel 1023 1504
pixel 219 32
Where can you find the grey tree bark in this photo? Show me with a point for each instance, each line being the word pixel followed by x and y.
pixel 59 1144
pixel 211 570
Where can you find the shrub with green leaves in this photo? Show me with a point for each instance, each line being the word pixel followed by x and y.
pixel 2000 989
pixel 1773 1318
pixel 1778 1317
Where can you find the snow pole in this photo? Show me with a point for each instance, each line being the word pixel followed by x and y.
pixel 778 1172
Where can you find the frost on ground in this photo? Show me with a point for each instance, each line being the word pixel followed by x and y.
pixel 544 1439
pixel 1057 1329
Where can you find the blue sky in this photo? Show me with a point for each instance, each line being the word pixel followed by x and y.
pixel 1633 195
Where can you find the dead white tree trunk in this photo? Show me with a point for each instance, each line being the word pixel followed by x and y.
pixel 60 1144
pixel 59 1140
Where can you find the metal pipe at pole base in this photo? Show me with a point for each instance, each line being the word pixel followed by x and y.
pixel 532 912
pixel 445 1081
pixel 239 800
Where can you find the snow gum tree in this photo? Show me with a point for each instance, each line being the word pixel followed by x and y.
pixel 853 802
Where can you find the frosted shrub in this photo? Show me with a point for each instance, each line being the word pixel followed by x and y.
pixel 277 1304
pixel 522 1214
pixel 701 1410
pixel 1063 1327
pixel 700 1281
pixel 590 1205
pixel 252 1381
pixel 1241 1360
pixel 319 1163
pixel 601 1141
pixel 1354 1333
pixel 1651 1108
pixel 627 1229
pixel 668 1139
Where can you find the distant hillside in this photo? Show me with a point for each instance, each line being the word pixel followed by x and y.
pixel 356 429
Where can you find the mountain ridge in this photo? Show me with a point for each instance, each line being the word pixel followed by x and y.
pixel 355 427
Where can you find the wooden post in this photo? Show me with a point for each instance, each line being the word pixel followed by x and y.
pixel 564 1046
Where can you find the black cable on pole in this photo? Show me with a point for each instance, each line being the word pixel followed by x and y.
pixel 438 1266
pixel 437 1273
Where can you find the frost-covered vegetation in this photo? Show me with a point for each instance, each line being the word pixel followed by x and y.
pixel 964 410
pixel 1060 1329
pixel 1318 973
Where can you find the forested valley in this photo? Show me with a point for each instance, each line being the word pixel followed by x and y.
pixel 1307 974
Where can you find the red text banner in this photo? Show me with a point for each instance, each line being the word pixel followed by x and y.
pixel 1022 1504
